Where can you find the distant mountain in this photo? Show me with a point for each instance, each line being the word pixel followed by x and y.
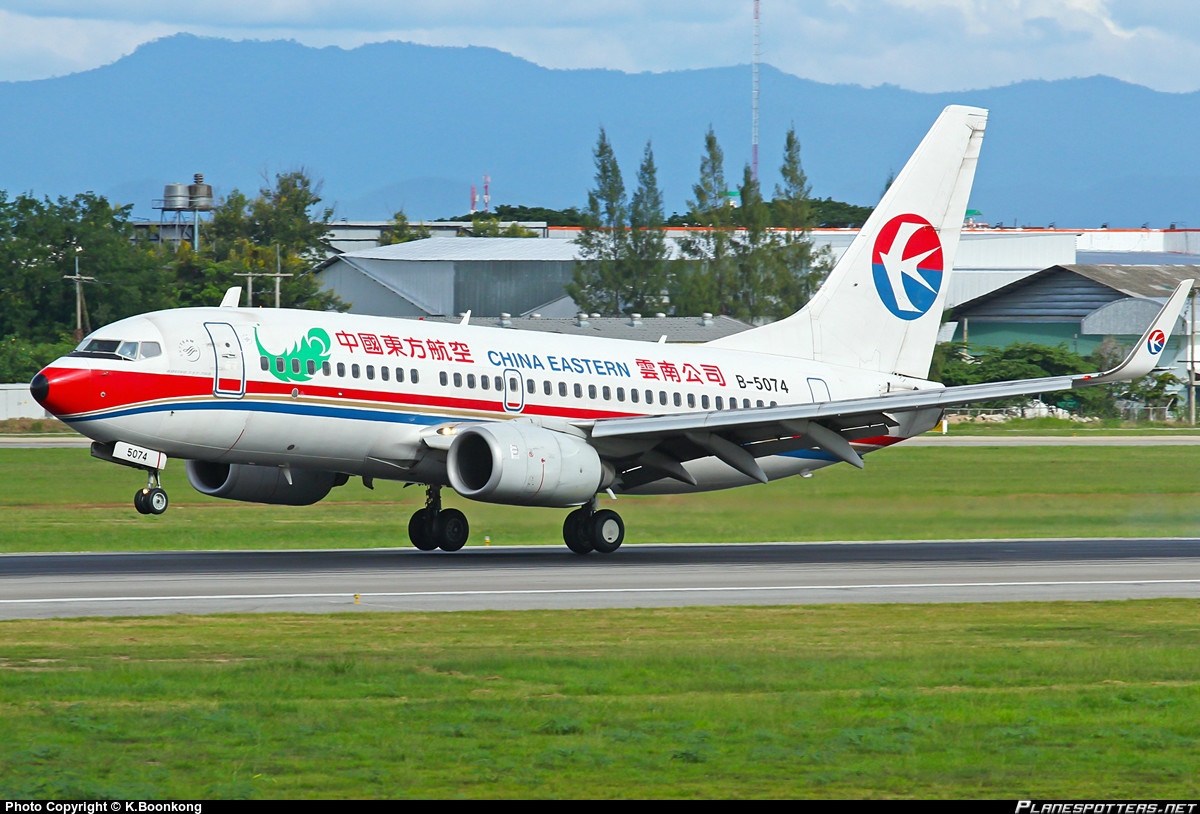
pixel 400 125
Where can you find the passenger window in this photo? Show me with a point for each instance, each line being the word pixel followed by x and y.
pixel 499 383
pixel 413 378
pixel 514 385
pixel 400 374
pixel 606 391
pixel 562 389
pixel 295 366
pixel 633 395
pixel 327 368
pixel 578 391
pixel 264 363
pixel 530 386
pixel 691 400
pixel 591 391
pixel 649 396
pixel 547 389
pixel 620 394
pixel 279 363
pixel 443 378
pixel 311 366
pixel 704 402
pixel 384 372
pixel 458 380
pixel 341 369
pixel 746 403
pixel 371 372
pixel 470 381
pixel 720 402
pixel 355 371
pixel 485 382
pixel 678 401
pixel 662 397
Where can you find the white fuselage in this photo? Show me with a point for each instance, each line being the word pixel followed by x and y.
pixel 358 394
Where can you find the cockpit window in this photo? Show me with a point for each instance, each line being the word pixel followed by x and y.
pixel 118 349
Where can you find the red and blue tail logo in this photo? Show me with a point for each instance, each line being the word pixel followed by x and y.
pixel 907 266
pixel 1156 342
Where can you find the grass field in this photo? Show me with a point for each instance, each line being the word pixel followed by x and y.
pixel 60 500
pixel 1047 700
pixel 1050 700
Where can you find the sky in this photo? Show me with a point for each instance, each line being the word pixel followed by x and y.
pixel 922 45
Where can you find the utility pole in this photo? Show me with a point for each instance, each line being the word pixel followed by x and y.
pixel 1192 364
pixel 79 281
pixel 250 275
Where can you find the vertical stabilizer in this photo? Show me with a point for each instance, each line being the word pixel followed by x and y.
pixel 882 304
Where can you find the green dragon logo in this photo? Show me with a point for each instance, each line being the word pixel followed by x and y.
pixel 314 348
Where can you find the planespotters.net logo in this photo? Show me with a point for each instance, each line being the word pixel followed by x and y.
pixel 1077 807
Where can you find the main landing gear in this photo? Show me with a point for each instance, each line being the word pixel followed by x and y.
pixel 434 527
pixel 586 530
pixel 152 499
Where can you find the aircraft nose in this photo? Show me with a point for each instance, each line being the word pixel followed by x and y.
pixel 39 388
pixel 62 391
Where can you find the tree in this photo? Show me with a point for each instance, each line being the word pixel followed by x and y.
pixel 600 275
pixel 706 282
pixel 646 248
pixel 753 248
pixel 401 231
pixel 282 230
pixel 40 242
pixel 797 270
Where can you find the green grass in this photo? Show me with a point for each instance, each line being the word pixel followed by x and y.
pixel 1059 700
pixel 1062 426
pixel 64 500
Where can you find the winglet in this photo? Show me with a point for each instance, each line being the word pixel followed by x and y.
pixel 232 297
pixel 1144 356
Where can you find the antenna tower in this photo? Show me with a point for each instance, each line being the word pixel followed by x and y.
pixel 754 99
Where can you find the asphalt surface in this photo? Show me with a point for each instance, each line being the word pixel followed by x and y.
pixel 504 578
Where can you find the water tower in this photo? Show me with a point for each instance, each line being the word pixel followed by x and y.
pixel 176 202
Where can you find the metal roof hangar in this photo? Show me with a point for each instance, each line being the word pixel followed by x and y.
pixel 1078 305
pixel 443 276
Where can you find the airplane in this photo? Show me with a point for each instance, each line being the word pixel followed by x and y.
pixel 282 406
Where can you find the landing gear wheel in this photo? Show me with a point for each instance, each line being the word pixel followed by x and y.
pixel 139 502
pixel 420 531
pixel 156 501
pixel 607 531
pixel 451 530
pixel 575 532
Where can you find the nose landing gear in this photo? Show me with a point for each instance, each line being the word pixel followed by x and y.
pixel 152 499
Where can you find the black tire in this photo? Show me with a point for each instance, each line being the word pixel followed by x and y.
pixel 607 531
pixel 451 530
pixel 420 531
pixel 156 501
pixel 139 502
pixel 575 532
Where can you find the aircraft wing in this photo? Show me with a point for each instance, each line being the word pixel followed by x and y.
pixel 647 448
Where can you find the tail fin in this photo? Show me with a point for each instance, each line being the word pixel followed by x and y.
pixel 881 306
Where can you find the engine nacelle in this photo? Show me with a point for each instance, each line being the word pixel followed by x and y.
pixel 261 484
pixel 520 464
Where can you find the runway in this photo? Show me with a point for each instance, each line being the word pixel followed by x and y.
pixel 517 578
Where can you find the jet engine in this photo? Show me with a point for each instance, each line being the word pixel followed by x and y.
pixel 261 484
pixel 521 464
